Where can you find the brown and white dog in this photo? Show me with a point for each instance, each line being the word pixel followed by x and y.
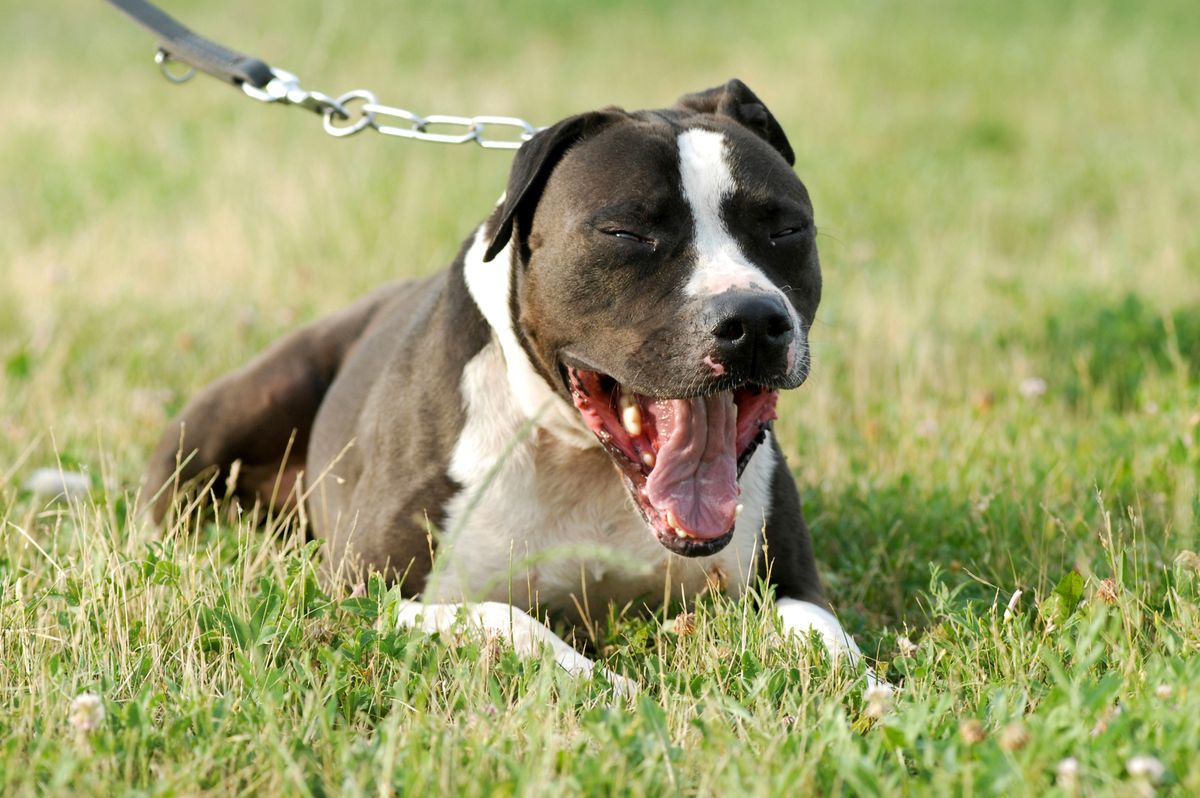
pixel 581 403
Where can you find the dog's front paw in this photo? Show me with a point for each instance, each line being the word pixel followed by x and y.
pixel 581 667
pixel 880 687
pixel 623 687
pixel 799 618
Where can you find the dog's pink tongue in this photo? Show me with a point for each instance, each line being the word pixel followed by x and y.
pixel 695 475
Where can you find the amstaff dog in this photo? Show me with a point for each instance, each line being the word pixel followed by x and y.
pixel 578 410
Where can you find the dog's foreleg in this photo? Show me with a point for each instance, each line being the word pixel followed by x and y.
pixel 801 617
pixel 526 634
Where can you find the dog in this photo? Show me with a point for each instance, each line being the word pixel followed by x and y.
pixel 581 404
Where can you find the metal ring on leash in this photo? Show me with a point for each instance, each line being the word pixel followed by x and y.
pixel 163 58
pixel 365 119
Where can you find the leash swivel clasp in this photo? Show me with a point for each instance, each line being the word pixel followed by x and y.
pixel 284 87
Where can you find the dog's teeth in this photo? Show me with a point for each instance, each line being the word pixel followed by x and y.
pixel 673 522
pixel 738 510
pixel 680 533
pixel 648 459
pixel 631 415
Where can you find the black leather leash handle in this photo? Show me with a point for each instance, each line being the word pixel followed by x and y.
pixel 185 45
pixel 341 116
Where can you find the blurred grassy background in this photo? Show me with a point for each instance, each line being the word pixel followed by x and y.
pixel 1005 192
pixel 1005 389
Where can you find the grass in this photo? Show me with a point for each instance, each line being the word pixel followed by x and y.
pixel 1007 194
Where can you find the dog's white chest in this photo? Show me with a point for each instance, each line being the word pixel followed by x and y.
pixel 544 524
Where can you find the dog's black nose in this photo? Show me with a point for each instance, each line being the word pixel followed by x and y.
pixel 751 330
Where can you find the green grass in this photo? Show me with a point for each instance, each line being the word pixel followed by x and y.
pixel 1005 191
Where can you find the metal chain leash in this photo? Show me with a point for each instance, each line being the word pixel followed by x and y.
pixel 358 110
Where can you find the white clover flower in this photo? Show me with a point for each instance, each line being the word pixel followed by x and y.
pixel 1033 387
pixel 1067 774
pixel 879 700
pixel 1145 768
pixel 683 624
pixel 1108 591
pixel 87 712
pixel 1164 692
pixel 1188 559
pixel 972 731
pixel 906 646
pixel 1014 736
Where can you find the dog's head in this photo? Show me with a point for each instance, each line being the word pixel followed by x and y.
pixel 665 276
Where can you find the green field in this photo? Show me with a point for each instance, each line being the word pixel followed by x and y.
pixel 1008 196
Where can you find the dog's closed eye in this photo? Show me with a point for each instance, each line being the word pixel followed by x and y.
pixel 629 235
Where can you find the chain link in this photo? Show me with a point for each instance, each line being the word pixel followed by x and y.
pixel 355 111
pixel 364 111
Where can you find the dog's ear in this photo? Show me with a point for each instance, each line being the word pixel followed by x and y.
pixel 531 169
pixel 735 100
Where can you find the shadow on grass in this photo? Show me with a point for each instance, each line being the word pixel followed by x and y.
pixel 1103 346
pixel 879 546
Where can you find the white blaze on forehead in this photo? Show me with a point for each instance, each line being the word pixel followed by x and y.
pixel 707 181
pixel 720 263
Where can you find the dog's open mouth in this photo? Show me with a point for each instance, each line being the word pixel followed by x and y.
pixel 681 457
